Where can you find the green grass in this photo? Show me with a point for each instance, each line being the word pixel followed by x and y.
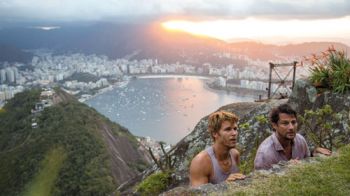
pixel 328 177
pixel 44 181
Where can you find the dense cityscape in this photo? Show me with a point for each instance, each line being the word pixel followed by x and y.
pixel 47 70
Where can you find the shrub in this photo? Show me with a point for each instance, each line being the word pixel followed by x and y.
pixel 320 127
pixel 154 184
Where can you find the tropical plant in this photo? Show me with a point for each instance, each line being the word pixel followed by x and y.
pixel 320 76
pixel 331 70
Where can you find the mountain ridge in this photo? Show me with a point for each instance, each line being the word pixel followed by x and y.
pixel 153 41
pixel 13 54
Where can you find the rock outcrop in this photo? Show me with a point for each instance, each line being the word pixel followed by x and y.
pixel 199 138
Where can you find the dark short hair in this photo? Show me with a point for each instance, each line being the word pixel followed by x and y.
pixel 217 118
pixel 285 109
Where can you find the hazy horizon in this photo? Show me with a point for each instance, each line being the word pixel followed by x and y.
pixel 267 21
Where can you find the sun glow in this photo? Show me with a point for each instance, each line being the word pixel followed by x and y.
pixel 260 29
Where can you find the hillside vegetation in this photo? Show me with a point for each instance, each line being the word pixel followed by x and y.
pixel 65 155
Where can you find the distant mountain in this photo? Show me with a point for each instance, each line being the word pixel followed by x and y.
pixel 270 52
pixel 73 150
pixel 137 41
pixel 13 54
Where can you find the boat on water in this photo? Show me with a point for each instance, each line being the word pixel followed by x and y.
pixel 121 84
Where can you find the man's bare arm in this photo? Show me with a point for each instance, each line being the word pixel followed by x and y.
pixel 200 170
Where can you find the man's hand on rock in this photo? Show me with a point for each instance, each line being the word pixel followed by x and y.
pixel 235 176
pixel 323 151
pixel 294 161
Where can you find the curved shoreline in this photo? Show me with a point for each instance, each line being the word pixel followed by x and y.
pixel 247 92
pixel 172 76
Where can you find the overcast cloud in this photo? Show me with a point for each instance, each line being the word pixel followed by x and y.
pixel 95 10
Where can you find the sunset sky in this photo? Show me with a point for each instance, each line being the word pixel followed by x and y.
pixel 276 21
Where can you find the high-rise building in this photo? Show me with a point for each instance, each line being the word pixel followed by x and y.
pixel 2 76
pixel 15 71
pixel 2 96
pixel 10 75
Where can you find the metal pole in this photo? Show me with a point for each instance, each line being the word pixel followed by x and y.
pixel 269 90
pixel 294 70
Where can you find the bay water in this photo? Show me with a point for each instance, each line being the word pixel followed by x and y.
pixel 164 108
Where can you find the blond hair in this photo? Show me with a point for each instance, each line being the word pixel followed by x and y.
pixel 217 118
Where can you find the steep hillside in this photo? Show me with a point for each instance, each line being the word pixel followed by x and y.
pixel 73 151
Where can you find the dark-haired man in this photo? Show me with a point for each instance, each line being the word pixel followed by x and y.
pixel 284 144
pixel 220 161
